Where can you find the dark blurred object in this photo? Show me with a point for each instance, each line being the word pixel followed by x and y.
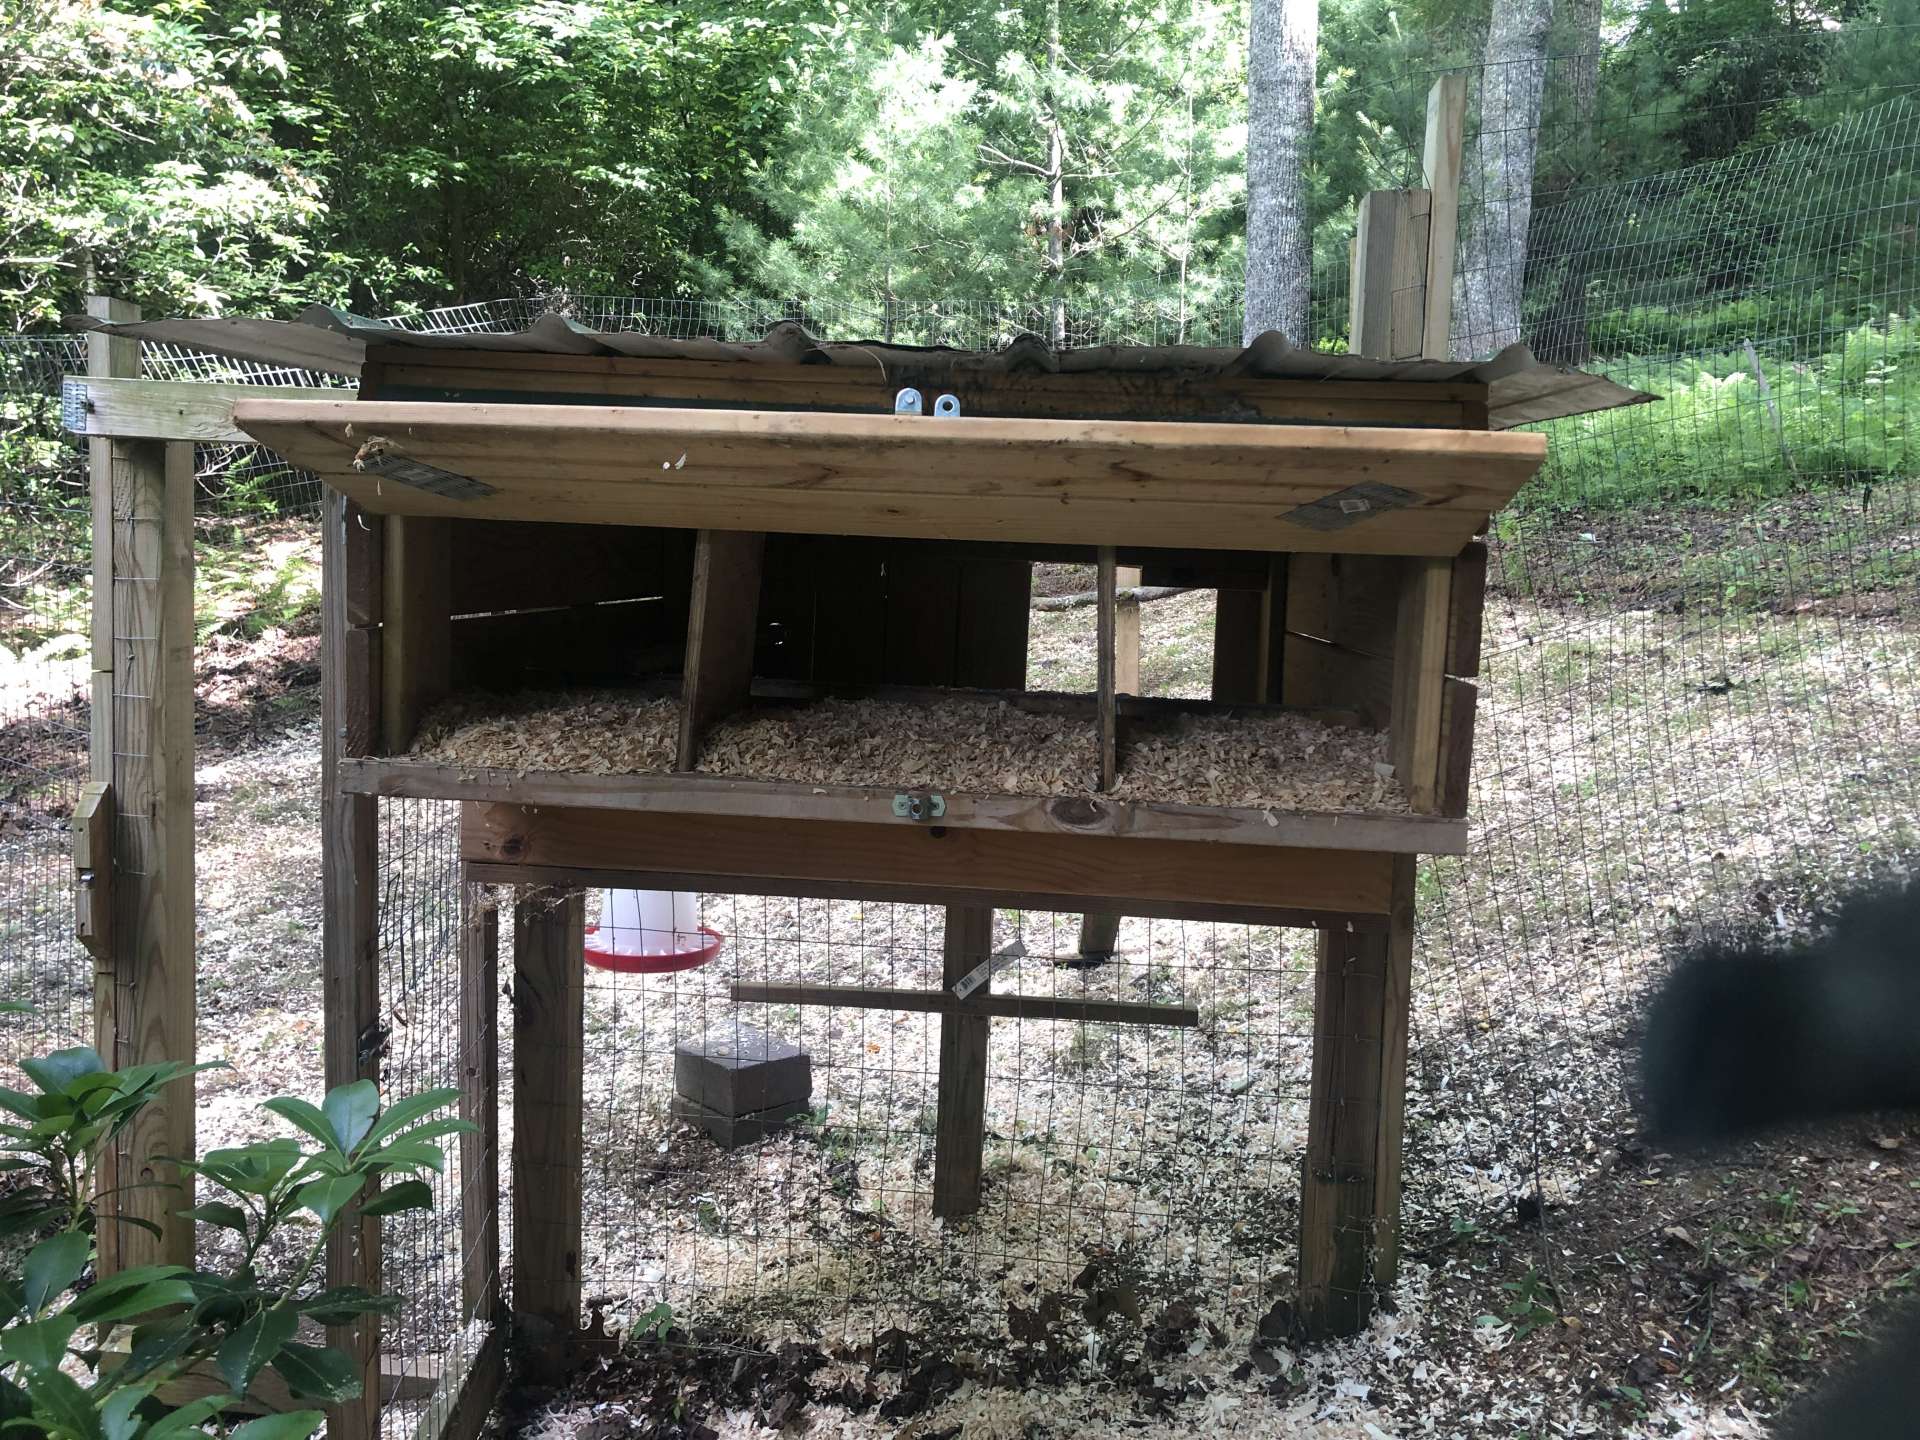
pixel 1739 1038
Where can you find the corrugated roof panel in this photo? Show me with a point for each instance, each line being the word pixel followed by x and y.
pixel 1521 390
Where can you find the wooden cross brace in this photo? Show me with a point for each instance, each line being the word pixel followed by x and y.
pixel 967 1008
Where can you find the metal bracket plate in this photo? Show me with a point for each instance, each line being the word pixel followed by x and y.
pixel 1351 505
pixel 421 476
pixel 919 805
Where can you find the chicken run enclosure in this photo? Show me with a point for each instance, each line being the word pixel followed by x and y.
pixel 751 621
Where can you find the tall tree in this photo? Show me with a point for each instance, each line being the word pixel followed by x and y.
pixel 1493 261
pixel 1282 48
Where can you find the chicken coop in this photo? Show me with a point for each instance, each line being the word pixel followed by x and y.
pixel 1073 996
pixel 752 620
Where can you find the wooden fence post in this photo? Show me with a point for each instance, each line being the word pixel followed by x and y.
pixel 142 747
pixel 349 861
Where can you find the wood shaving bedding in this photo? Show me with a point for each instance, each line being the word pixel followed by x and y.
pixel 1283 762
pixel 1276 762
pixel 591 732
pixel 984 746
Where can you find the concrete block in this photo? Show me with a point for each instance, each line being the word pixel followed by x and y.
pixel 738 1070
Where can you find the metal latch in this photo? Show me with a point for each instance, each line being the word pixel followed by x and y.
pixel 75 403
pixel 919 805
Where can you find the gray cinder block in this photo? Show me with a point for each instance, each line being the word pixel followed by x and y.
pixel 739 1070
pixel 733 1131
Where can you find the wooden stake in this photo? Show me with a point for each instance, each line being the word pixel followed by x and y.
pixel 349 864
pixel 1446 125
pixel 479 1105
pixel 962 1121
pixel 548 1016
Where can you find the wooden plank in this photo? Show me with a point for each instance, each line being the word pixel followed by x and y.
pixel 93 870
pixel 1171 875
pixel 960 1129
pixel 1440 166
pixel 1460 701
pixel 1342 617
pixel 1249 635
pixel 479 1105
pixel 943 1002
pixel 692 794
pixel 416 641
pixel 1126 629
pixel 190 410
pixel 1396 1006
pixel 922 642
pixel 1466 603
pixel 589 877
pixel 144 994
pixel 349 864
pixel 482 377
pixel 1111 482
pixel 469 1386
pixel 549 989
pixel 1369 311
pixel 1109 714
pixel 1420 652
pixel 1350 1201
pixel 720 633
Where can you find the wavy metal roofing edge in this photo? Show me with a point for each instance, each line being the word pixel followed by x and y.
pixel 1521 389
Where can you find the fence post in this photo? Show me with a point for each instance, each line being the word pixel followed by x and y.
pixel 1440 167
pixel 142 747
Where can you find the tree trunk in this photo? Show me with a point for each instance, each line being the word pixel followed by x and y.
pixel 1056 188
pixel 1560 336
pixel 1281 51
pixel 1494 259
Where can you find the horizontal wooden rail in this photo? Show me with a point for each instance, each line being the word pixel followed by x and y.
pixel 170 409
pixel 942 1002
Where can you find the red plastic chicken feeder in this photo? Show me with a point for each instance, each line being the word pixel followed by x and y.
pixel 650 932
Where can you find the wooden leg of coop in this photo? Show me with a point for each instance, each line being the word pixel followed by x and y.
pixel 1099 936
pixel 961 1129
pixel 479 1105
pixel 1350 1201
pixel 350 869
pixel 549 986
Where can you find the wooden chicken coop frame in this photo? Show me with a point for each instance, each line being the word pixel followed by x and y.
pixel 564 507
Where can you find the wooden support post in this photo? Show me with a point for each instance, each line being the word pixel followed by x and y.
pixel 479 1104
pixel 142 748
pixel 1419 676
pixel 351 594
pixel 961 1126
pixel 1126 630
pixel 720 633
pixel 549 992
pixel 1109 710
pixel 416 637
pixel 1350 1198
pixel 1446 125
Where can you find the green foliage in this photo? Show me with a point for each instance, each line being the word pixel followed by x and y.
pixel 240 1321
pixel 1844 419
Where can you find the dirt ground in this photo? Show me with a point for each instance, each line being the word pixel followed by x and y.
pixel 1643 772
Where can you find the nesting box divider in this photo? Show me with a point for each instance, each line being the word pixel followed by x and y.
pixel 727 566
pixel 417 655
pixel 1107 711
